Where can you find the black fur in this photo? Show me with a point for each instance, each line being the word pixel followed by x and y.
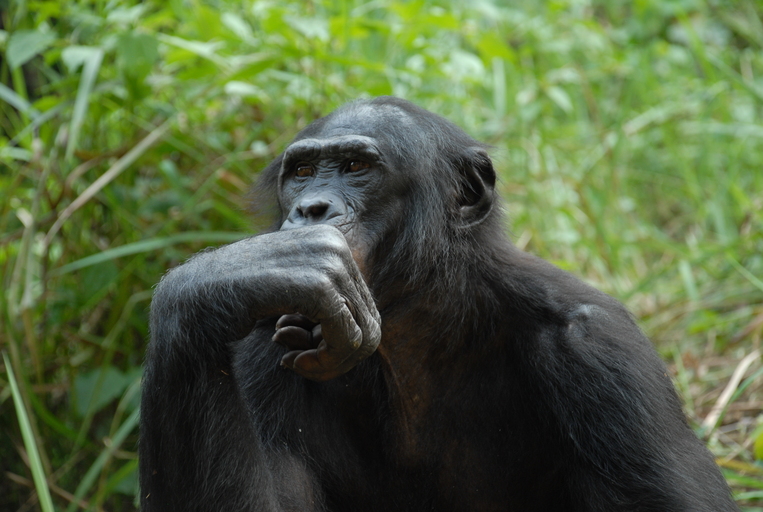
pixel 499 383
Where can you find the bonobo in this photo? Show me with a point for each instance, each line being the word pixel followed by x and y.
pixel 386 348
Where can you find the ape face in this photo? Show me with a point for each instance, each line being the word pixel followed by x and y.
pixel 345 171
pixel 368 169
pixel 338 180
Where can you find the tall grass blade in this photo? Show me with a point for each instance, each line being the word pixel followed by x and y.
pixel 9 96
pixel 40 481
pixel 152 244
pixel 86 83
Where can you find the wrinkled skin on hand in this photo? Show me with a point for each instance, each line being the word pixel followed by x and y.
pixel 341 307
pixel 309 271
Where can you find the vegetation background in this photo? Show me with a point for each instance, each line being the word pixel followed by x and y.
pixel 628 136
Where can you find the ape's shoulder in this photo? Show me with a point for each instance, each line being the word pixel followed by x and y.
pixel 575 324
pixel 556 293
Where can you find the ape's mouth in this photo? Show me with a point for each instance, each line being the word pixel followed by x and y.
pixel 343 223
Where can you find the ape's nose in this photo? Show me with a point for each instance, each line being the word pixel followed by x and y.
pixel 315 209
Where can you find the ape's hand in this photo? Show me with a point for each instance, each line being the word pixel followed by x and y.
pixel 309 270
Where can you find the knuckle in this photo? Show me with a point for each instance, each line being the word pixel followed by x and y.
pixel 336 244
pixel 355 342
pixel 329 239
pixel 323 283
pixel 331 266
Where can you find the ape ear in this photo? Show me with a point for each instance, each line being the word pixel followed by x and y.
pixel 476 194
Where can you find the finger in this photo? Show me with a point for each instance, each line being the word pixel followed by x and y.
pixel 342 336
pixel 305 363
pixel 362 306
pixel 317 334
pixel 287 361
pixel 344 346
pixel 353 296
pixel 296 320
pixel 295 338
pixel 354 332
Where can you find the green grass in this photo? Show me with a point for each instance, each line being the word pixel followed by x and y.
pixel 628 138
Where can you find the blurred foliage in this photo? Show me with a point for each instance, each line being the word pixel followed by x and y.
pixel 628 135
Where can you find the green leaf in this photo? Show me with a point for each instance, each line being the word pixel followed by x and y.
pixel 96 389
pixel 690 283
pixel 200 48
pixel 25 44
pixel 125 481
pixel 237 25
pixel 93 279
pixel 75 56
pixel 560 98
pixel 10 153
pixel 126 15
pixel 464 66
pixel 237 88
pixel 136 53
pixel 311 28
pixel 9 96
pixel 492 45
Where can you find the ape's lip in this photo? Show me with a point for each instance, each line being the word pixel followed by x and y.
pixel 341 222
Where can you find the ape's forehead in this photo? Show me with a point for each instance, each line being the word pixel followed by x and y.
pixel 399 129
pixel 371 113
pixel 364 119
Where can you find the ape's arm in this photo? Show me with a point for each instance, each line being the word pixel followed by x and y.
pixel 217 296
pixel 195 430
pixel 630 446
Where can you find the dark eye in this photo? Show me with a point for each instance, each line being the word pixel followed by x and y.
pixel 304 170
pixel 357 165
